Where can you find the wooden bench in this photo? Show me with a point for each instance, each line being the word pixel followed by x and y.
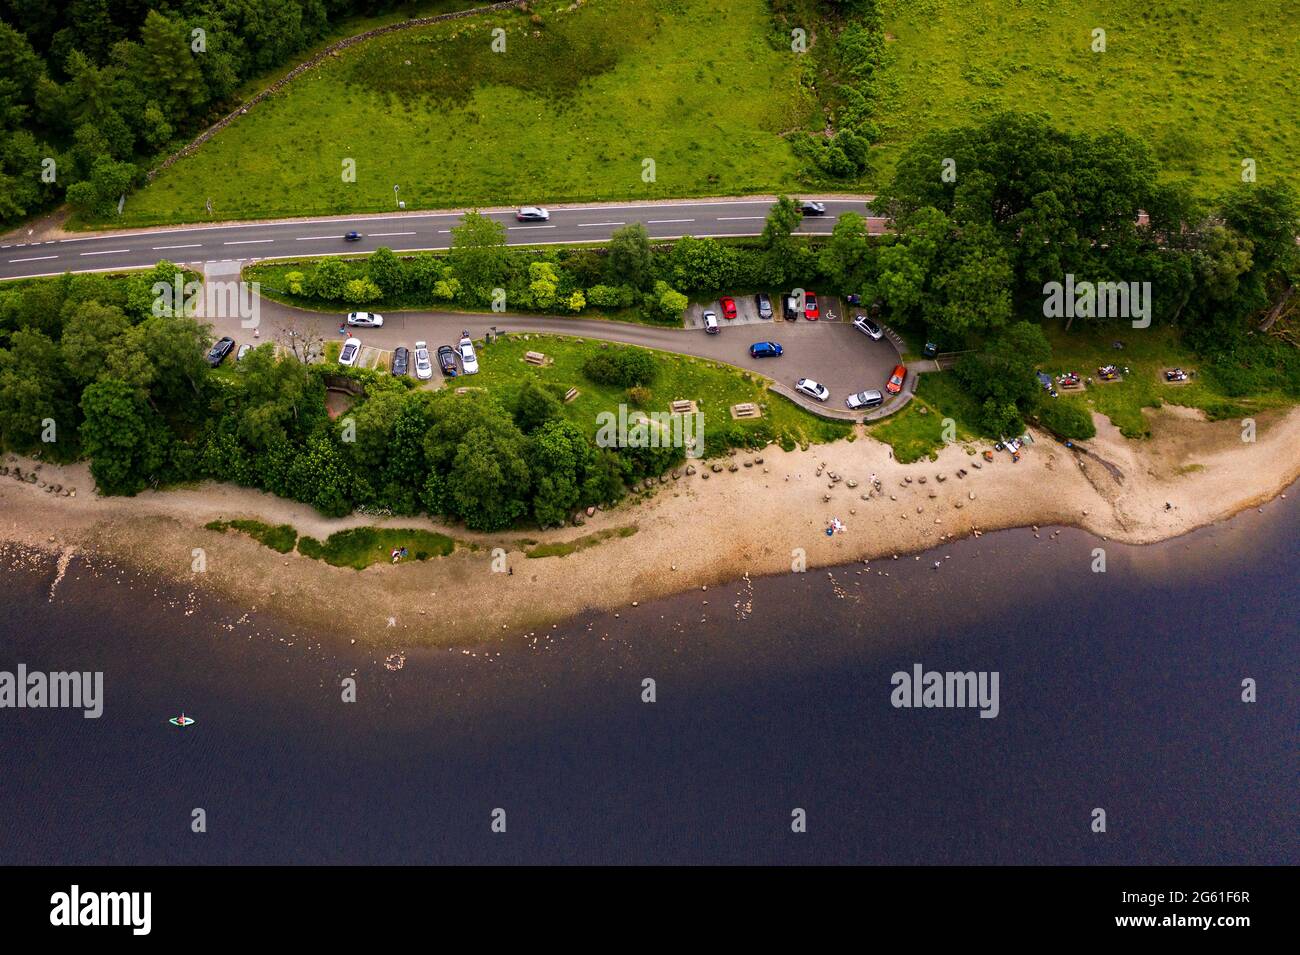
pixel 569 395
pixel 683 407
pixel 535 358
pixel 746 409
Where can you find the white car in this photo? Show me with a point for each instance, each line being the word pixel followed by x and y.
pixel 423 366
pixel 350 353
pixel 365 319
pixel 869 328
pixel 711 323
pixel 244 349
pixel 468 360
pixel 807 386
pixel 532 214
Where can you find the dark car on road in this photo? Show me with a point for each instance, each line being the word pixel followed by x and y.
pixel 447 360
pixel 352 237
pixel 764 304
pixel 811 207
pixel 765 350
pixel 217 354
pixel 401 360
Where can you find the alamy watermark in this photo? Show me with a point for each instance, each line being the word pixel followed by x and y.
pixel 931 689
pixel 658 429
pixel 220 299
pixel 36 690
pixel 1085 299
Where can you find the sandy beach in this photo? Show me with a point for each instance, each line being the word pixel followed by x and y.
pixel 768 516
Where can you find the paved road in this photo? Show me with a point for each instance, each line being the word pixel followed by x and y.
pixel 834 353
pixel 402 232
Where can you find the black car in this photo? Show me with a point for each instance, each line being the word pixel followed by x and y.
pixel 401 361
pixel 811 208
pixel 447 360
pixel 352 237
pixel 789 308
pixel 223 347
pixel 764 305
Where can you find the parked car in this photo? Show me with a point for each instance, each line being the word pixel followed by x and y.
pixel 764 304
pixel 401 361
pixel 219 350
pixel 711 322
pixel 869 328
pixel 728 307
pixel 790 308
pixel 350 353
pixel 352 237
pixel 895 383
pixel 864 399
pixel 812 389
pixel 811 207
pixel 423 367
pixel 468 360
pixel 532 214
pixel 930 350
pixel 447 361
pixel 765 350
pixel 365 319
pixel 244 349
pixel 810 310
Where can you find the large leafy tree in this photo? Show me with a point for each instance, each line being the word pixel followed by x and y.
pixel 478 254
pixel 124 439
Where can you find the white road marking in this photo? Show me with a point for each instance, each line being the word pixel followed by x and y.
pixel 514 227
pixel 663 221
pixel 247 241
pixel 35 258
pixel 159 248
pixel 107 252
pixel 589 225
pixel 382 234
pixel 739 218
pixel 314 238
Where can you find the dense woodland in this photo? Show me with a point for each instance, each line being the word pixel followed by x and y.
pixel 104 86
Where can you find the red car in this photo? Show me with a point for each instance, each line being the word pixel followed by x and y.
pixel 810 311
pixel 728 306
pixel 896 380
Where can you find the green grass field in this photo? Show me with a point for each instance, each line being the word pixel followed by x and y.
pixel 359 547
pixel 1204 83
pixel 914 434
pixel 280 537
pixel 569 111
pixel 715 387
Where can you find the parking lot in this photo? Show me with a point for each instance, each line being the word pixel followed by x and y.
pixel 831 308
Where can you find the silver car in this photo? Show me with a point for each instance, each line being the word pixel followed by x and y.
pixel 365 319
pixel 864 399
pixel 869 328
pixel 423 366
pixel 812 389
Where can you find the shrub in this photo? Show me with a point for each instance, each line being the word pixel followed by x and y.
pixel 1066 417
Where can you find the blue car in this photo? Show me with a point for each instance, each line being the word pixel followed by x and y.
pixel 765 350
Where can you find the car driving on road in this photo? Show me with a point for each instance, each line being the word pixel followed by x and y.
pixel 447 361
pixel 864 399
pixel 812 389
pixel 869 328
pixel 351 236
pixel 423 367
pixel 765 350
pixel 350 353
pixel 532 214
pixel 810 309
pixel 811 207
pixel 220 349
pixel 401 361
pixel 468 360
pixel 895 384
pixel 365 319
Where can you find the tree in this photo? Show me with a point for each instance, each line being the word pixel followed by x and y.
pixel 385 271
pixel 630 260
pixel 33 390
pixel 478 254
pixel 164 63
pixel 176 347
pixel 542 284
pixel 972 290
pixel 847 258
pixel 534 406
pixel 123 437
pixel 561 457
pixel 328 280
pixel 90 335
pixel 97 196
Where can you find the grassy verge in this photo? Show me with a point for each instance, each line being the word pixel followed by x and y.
pixel 359 547
pixel 1197 80
pixel 714 386
pixel 280 537
pixel 918 431
pixel 580 99
pixel 566 548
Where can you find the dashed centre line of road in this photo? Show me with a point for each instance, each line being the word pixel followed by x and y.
pixel 589 225
pixel 34 258
pixel 380 235
pixel 247 241
pixel 664 221
pixel 107 252
pixel 314 238
pixel 739 218
pixel 516 227
pixel 159 248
